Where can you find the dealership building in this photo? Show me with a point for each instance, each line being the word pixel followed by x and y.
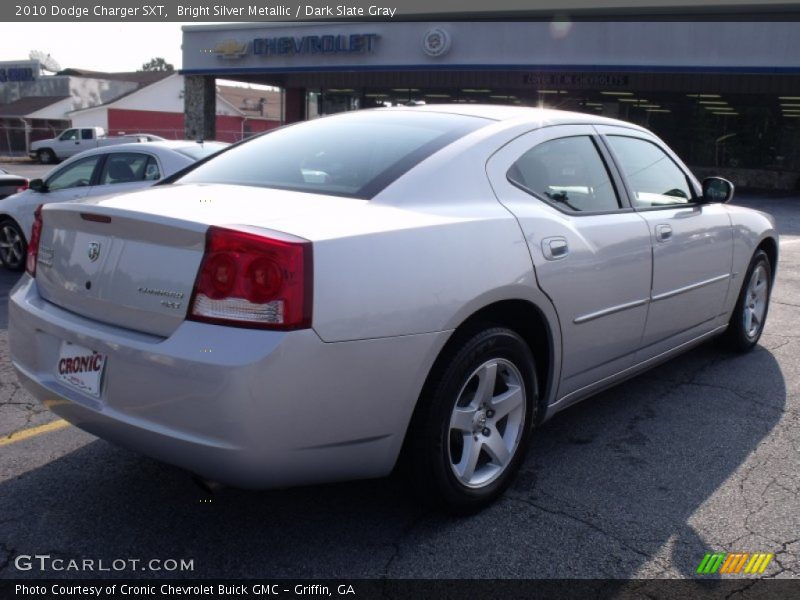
pixel 725 95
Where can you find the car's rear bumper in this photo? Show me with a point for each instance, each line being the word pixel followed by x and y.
pixel 246 407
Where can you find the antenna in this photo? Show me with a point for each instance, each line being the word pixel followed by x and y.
pixel 47 62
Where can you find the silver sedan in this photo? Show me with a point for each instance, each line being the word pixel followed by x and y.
pixel 425 285
pixel 106 170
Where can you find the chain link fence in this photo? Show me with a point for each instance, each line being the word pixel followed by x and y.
pixel 15 138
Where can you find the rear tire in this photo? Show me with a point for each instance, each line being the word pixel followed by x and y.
pixel 47 156
pixel 13 247
pixel 473 422
pixel 750 314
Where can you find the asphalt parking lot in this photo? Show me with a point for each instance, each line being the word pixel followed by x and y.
pixel 700 455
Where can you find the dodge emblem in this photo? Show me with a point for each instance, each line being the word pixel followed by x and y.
pixel 94 251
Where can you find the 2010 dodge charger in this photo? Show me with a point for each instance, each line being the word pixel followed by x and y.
pixel 427 283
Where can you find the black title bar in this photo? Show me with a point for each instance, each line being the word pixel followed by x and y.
pixel 316 10
pixel 744 588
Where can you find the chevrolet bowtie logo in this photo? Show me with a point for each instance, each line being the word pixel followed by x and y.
pixel 231 49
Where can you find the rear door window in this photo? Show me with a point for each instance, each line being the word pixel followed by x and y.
pixel 567 172
pixel 125 167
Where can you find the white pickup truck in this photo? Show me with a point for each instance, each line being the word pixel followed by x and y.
pixel 78 139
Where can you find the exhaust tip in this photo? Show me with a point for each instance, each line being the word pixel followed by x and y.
pixel 207 485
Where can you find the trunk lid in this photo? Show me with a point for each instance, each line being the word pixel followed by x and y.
pixel 132 260
pixel 124 271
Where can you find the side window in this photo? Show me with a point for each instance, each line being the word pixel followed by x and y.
pixel 87 134
pixel 75 175
pixel 568 172
pixel 124 168
pixel 69 134
pixel 654 178
pixel 151 170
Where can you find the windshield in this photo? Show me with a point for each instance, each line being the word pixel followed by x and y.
pixel 356 155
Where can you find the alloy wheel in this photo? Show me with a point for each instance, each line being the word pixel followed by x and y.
pixel 487 423
pixel 755 305
pixel 11 246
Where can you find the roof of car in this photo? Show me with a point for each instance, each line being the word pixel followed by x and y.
pixel 500 112
pixel 144 146
pixel 172 144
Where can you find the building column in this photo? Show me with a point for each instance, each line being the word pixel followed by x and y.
pixel 294 105
pixel 199 107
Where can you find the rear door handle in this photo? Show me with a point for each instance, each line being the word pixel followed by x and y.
pixel 663 233
pixel 555 248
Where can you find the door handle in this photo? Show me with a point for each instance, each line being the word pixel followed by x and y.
pixel 555 248
pixel 663 233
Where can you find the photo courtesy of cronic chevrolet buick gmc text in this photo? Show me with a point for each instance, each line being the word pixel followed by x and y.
pixel 424 284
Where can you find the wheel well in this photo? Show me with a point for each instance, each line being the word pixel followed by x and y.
pixel 770 247
pixel 527 320
pixel 4 217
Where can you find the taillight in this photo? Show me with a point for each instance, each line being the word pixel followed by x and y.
pixel 248 280
pixel 22 188
pixel 33 244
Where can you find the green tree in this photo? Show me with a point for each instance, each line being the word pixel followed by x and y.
pixel 157 64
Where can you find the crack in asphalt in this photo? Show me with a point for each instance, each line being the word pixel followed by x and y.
pixel 779 346
pixel 742 589
pixel 776 558
pixel 622 542
pixel 29 416
pixel 785 303
pixel 404 533
pixel 782 335
pixel 746 398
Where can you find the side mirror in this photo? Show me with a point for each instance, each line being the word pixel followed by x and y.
pixel 717 189
pixel 37 185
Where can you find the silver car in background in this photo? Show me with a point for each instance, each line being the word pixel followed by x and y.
pixel 421 284
pixel 106 170
pixel 11 184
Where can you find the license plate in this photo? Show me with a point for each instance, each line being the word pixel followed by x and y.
pixel 81 368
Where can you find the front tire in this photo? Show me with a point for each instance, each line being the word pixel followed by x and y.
pixel 47 156
pixel 473 422
pixel 13 247
pixel 750 314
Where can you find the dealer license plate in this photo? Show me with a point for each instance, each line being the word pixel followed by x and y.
pixel 81 368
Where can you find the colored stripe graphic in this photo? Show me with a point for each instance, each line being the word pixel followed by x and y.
pixel 734 562
pixel 711 563
pixel 759 562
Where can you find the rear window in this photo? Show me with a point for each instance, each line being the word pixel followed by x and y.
pixel 199 150
pixel 356 155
